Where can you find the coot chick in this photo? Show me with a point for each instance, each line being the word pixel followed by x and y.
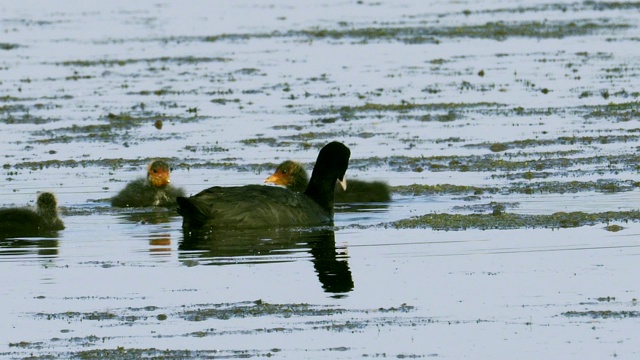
pixel 27 222
pixel 293 176
pixel 258 206
pixel 154 190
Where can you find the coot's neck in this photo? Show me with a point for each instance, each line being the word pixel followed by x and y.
pixel 321 191
pixel 331 165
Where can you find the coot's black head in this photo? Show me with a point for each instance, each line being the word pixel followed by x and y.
pixel 330 166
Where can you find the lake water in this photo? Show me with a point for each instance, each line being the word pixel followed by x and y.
pixel 420 91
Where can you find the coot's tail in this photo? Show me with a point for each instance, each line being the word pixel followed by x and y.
pixel 191 215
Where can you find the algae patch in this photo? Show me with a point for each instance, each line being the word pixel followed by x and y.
pixel 603 314
pixel 8 46
pixel 123 62
pixel 420 34
pixel 502 220
pixel 548 187
pixel 259 308
pixel 112 128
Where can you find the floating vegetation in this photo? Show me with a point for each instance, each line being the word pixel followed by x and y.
pixel 563 140
pixel 499 30
pixel 7 46
pixel 614 228
pixel 24 118
pixel 123 62
pixel 403 107
pixel 498 147
pixel 502 220
pixel 603 314
pixel 616 111
pixel 115 129
pixel 222 311
pixel 153 353
pixel 495 162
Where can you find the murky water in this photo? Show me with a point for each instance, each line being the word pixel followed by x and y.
pixel 421 93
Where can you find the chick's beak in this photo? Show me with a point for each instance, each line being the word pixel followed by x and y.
pixel 273 179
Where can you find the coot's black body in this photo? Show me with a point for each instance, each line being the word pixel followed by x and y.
pixel 255 206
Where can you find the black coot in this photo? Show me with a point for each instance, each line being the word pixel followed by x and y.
pixel 255 206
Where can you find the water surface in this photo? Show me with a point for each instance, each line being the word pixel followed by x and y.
pixel 466 109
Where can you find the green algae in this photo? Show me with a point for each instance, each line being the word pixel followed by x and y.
pixel 77 316
pixel 502 220
pixel 611 5
pixel 603 314
pixel 498 147
pixel 428 33
pixel 535 29
pixel 562 7
pixel 453 111
pixel 614 228
pixel 8 46
pixel 259 308
pixel 221 311
pixel 123 62
pixel 24 118
pixel 562 140
pixel 114 127
pixel 153 353
pixel 620 112
pixel 270 141
pixel 492 162
pixel 403 107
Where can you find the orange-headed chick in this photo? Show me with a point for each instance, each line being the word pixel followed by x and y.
pixel 293 176
pixel 155 190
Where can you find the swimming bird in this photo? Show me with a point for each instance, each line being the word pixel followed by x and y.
pixel 19 222
pixel 154 190
pixel 293 176
pixel 257 206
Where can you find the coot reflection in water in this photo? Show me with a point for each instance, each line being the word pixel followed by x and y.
pixel 41 247
pixel 228 246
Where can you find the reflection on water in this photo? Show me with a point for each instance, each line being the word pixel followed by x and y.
pixel 361 207
pixel 361 213
pixel 20 247
pixel 157 216
pixel 219 247
pixel 160 244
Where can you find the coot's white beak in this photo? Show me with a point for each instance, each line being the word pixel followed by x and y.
pixel 343 183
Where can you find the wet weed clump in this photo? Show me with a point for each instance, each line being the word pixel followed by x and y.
pixel 260 308
pixel 500 30
pixel 123 62
pixel 603 314
pixel 548 187
pixel 501 220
